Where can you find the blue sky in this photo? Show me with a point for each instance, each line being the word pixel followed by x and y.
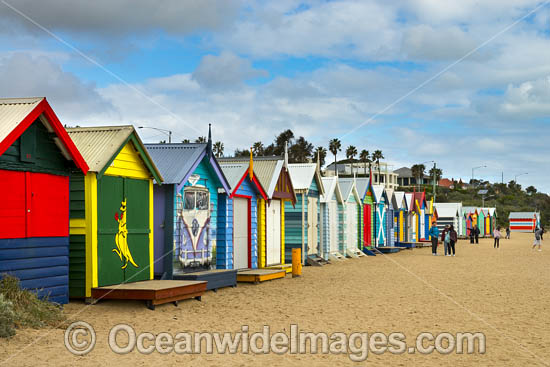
pixel 320 68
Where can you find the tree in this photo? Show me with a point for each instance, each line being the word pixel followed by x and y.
pixel 438 173
pixel 258 148
pixel 201 139
pixel 300 151
pixel 186 141
pixel 218 149
pixel 322 154
pixel 418 172
pixel 242 153
pixel 377 156
pixel 365 158
pixel 351 152
pixel 278 146
pixel 335 145
pixel 531 190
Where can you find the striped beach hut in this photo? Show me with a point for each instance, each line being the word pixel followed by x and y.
pixel 351 217
pixel 185 207
pixel 524 221
pixel 481 215
pixel 37 158
pixel 365 219
pixel 411 217
pixel 420 204
pixel 237 227
pixel 380 224
pixel 302 221
pixel 390 219
pixel 470 218
pixel 400 216
pixel 332 206
pixel 449 214
pixel 112 231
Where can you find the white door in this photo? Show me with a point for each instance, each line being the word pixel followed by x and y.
pixel 240 233
pixel 273 232
pixel 333 225
pixel 422 222
pixel 312 222
pixel 351 218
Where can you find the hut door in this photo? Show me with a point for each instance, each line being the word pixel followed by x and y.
pixel 123 230
pixel 333 225
pixel 367 222
pixel 351 216
pixel 273 233
pixel 240 233
pixel 422 229
pixel 312 238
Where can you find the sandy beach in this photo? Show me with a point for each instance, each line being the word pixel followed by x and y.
pixel 502 293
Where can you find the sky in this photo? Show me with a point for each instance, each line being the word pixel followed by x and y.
pixel 462 83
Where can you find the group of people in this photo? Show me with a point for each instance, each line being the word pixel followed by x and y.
pixel 448 237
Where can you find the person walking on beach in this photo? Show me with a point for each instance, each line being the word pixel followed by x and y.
pixel 496 235
pixel 507 233
pixel 538 234
pixel 476 234
pixel 445 239
pixel 471 232
pixel 434 234
pixel 453 237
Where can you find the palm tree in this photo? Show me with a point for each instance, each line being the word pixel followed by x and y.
pixel 335 145
pixel 320 152
pixel 218 149
pixel 186 141
pixel 258 148
pixel 365 158
pixel 351 152
pixel 377 156
pixel 418 172
pixel 201 139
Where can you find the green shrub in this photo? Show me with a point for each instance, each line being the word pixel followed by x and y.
pixel 7 318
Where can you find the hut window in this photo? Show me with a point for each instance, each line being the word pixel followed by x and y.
pixel 202 200
pixel 196 199
pixel 189 202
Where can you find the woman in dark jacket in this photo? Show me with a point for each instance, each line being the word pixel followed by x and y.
pixel 454 238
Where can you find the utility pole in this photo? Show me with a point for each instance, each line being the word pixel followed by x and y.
pixel 503 177
pixel 435 175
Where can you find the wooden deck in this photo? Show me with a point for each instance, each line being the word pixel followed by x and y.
pixel 259 275
pixel 154 292
pixel 389 250
pixel 216 278
pixel 408 245
pixel 285 267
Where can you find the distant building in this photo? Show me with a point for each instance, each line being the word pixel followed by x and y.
pixel 388 177
pixel 445 182
pixel 406 178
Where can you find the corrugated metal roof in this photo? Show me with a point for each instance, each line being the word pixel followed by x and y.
pixel 378 191
pixel 99 144
pixel 399 199
pixel 267 170
pixel 346 186
pixel 331 187
pixel 362 185
pixel 174 161
pixel 233 172
pixel 469 209
pixel 302 174
pixel 521 215
pixel 389 194
pixel 409 198
pixel 448 210
pixel 13 111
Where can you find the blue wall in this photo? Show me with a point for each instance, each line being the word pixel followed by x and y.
pixel 41 264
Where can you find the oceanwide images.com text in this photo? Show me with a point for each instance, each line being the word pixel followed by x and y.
pixel 80 338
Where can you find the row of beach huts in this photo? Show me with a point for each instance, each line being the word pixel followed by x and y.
pixel 89 211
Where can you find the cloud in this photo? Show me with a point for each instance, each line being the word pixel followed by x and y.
pixel 225 71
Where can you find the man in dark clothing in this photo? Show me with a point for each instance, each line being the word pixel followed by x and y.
pixel 476 233
pixel 472 235
pixel 508 233
pixel 452 242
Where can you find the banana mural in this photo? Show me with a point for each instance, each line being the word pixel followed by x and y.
pixel 121 238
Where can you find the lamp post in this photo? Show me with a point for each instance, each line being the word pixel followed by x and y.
pixel 474 168
pixel 519 174
pixel 434 177
pixel 165 131
pixel 483 197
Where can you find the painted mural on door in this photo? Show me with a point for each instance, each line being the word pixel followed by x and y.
pixel 192 243
pixel 121 238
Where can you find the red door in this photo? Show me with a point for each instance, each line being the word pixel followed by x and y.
pixel 367 225
pixel 33 205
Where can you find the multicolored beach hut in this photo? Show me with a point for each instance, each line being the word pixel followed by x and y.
pixel 36 159
pixel 481 215
pixel 185 207
pixel 111 227
pixel 380 222
pixel 420 207
pixel 411 217
pixel 332 207
pixel 302 225
pixel 390 219
pixel 401 212
pixel 365 219
pixel 524 221
pixel 351 217
pixel 237 232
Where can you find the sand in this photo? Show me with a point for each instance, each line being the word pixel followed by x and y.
pixel 502 293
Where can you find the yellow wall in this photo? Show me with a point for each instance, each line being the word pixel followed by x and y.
pixel 401 226
pixel 90 184
pixel 128 163
pixel 261 233
pixel 151 233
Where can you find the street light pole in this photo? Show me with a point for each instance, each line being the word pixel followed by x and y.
pixel 520 174
pixel 474 168
pixel 165 131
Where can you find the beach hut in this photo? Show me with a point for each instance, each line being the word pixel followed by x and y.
pixel 36 160
pixel 351 214
pixel 400 216
pixel 380 215
pixel 332 212
pixel 524 221
pixel 481 214
pixel 302 227
pixel 420 205
pixel 449 214
pixel 390 219
pixel 111 227
pixel 237 232
pixel 365 218
pixel 185 210
pixel 411 217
